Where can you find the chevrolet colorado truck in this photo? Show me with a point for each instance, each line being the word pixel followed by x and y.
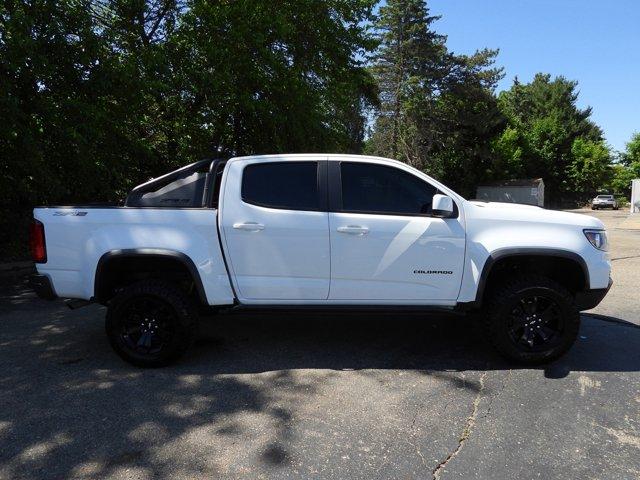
pixel 321 232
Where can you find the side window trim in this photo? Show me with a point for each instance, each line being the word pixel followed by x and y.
pixel 335 194
pixel 323 185
pixel 335 186
pixel 321 178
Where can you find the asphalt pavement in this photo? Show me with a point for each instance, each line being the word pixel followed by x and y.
pixel 321 396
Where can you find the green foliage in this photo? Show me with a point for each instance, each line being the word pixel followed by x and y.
pixel 52 105
pixel 548 136
pixel 627 168
pixel 278 77
pixel 98 95
pixel 438 112
pixel 590 168
pixel 620 182
pixel 631 156
pixel 508 149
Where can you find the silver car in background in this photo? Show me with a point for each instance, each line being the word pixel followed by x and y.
pixel 604 201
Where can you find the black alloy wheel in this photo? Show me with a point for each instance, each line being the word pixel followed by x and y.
pixel 536 322
pixel 151 323
pixel 531 319
pixel 148 325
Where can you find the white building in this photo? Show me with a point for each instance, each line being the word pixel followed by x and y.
pixel 635 195
pixel 529 191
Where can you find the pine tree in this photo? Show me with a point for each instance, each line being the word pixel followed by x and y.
pixel 407 66
pixel 438 111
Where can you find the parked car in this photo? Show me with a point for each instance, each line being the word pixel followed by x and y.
pixel 318 232
pixel 604 201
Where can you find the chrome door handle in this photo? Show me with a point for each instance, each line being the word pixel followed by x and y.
pixel 354 230
pixel 249 226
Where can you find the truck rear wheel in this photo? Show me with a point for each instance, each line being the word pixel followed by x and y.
pixel 151 323
pixel 531 319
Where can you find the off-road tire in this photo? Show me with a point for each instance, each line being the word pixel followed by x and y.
pixel 181 319
pixel 498 320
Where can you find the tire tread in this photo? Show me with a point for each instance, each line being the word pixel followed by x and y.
pixel 500 295
pixel 186 312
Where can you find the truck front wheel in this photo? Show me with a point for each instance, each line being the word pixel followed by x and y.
pixel 531 319
pixel 151 323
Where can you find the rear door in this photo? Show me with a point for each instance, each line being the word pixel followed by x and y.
pixel 274 222
pixel 386 247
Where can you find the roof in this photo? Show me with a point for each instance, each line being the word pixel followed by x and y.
pixel 518 182
pixel 292 157
pixel 329 156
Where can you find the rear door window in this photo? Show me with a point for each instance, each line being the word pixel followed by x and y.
pixel 283 185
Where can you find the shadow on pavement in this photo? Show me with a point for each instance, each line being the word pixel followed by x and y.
pixel 267 342
pixel 70 407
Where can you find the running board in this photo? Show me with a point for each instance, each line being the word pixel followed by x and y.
pixel 322 308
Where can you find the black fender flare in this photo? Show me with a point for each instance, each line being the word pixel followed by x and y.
pixel 148 253
pixel 502 253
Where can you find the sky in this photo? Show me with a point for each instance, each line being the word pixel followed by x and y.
pixel 596 42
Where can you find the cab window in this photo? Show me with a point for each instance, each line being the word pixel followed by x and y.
pixel 379 189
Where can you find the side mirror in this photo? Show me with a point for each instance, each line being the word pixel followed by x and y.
pixel 442 206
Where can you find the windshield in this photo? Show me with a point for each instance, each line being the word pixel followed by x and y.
pixel 605 197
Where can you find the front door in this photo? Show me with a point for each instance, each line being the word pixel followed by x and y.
pixel 385 245
pixel 275 229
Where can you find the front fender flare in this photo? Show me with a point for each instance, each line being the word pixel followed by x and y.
pixel 502 253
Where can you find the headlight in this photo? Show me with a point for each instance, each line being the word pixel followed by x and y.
pixel 598 238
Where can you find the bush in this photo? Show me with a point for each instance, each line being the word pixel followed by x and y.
pixel 622 201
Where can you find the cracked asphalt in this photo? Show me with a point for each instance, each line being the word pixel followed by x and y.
pixel 289 396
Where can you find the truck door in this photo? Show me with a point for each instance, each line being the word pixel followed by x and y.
pixel 386 246
pixel 274 222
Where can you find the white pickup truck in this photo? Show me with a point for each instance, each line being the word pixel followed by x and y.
pixel 318 231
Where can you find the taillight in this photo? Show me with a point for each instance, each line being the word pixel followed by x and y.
pixel 36 242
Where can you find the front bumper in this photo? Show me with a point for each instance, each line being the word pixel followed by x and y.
pixel 42 286
pixel 591 298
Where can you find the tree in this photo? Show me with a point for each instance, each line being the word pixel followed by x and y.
pixel 620 182
pixel 52 118
pixel 627 168
pixel 99 95
pixel 272 77
pixel 408 67
pixel 437 110
pixel 544 123
pixel 631 155
pixel 590 169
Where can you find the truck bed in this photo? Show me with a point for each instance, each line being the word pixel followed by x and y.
pixel 78 236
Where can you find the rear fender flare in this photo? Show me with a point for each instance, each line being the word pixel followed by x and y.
pixel 184 259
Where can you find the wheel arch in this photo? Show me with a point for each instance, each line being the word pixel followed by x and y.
pixel 107 266
pixel 515 255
